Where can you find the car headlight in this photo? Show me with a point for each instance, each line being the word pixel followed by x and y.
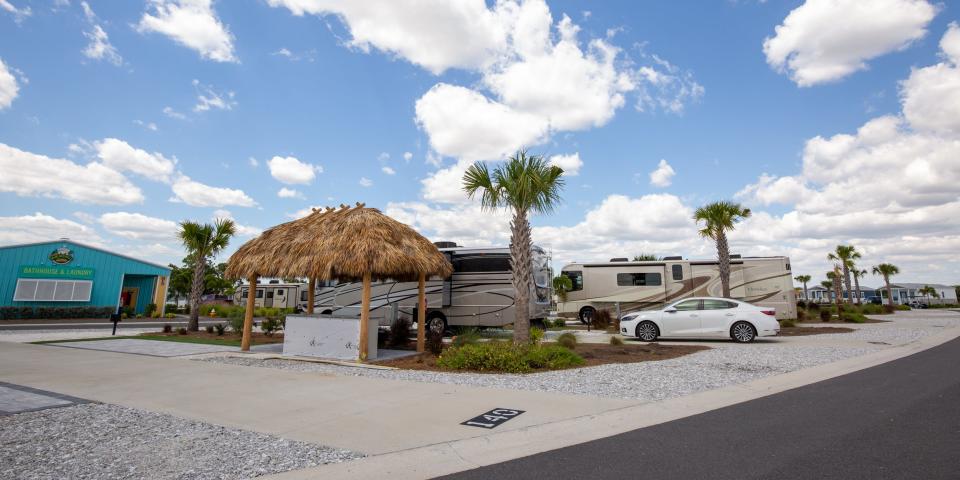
pixel 627 318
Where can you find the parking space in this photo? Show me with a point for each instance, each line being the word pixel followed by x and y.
pixel 20 399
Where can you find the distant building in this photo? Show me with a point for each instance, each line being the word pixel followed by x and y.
pixel 902 293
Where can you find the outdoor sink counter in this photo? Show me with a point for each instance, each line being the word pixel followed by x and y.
pixel 327 337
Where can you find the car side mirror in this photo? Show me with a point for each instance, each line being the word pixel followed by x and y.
pixel 671 310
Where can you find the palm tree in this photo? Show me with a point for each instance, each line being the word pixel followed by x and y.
pixel 718 218
pixel 927 291
pixel 203 242
pixel 858 273
pixel 845 255
pixel 562 284
pixel 525 184
pixel 803 279
pixel 828 284
pixel 887 270
pixel 643 257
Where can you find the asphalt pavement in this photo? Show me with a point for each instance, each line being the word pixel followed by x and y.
pixel 898 420
pixel 103 324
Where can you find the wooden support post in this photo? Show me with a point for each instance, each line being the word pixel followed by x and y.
pixel 311 288
pixel 421 313
pixel 248 315
pixel 365 317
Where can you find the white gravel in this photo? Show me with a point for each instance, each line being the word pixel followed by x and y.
pixel 99 441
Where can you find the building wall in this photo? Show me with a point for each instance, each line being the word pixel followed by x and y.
pixel 145 294
pixel 108 272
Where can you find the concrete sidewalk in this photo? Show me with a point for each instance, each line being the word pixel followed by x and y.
pixel 372 416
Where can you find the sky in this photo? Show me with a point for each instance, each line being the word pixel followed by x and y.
pixel 833 121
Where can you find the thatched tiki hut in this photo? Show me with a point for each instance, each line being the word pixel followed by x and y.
pixel 345 244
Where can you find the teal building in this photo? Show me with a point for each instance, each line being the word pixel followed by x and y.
pixel 70 279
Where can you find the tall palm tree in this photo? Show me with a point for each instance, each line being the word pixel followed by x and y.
pixel 887 270
pixel 525 184
pixel 803 279
pixel 203 242
pixel 827 284
pixel 857 273
pixel 845 255
pixel 643 257
pixel 718 219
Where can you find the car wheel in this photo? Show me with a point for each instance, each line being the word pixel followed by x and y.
pixel 586 315
pixel 743 332
pixel 647 331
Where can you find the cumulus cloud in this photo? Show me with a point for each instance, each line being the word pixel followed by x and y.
pixel 9 88
pixel 122 157
pixel 170 112
pixel 825 40
pixel 291 170
pixel 208 98
pixel 18 13
pixel 663 175
pixel 137 226
pixel 365 182
pixel 388 170
pixel 30 174
pixel 446 184
pixel 931 95
pixel 570 163
pixel 99 47
pixel 285 192
pixel 466 224
pixel 191 23
pixel 241 229
pixel 197 194
pixel 42 227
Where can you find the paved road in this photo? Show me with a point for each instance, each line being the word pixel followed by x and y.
pixel 894 421
pixel 103 324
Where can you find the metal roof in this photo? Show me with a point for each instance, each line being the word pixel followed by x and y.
pixel 91 247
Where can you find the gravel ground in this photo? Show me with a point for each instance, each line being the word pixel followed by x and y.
pixel 107 441
pixel 724 364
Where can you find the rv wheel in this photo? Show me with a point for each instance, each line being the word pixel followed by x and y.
pixel 538 323
pixel 586 315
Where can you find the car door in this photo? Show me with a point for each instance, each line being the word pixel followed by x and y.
pixel 682 319
pixel 716 316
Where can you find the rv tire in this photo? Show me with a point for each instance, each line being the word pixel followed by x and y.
pixel 586 315
pixel 438 320
pixel 538 323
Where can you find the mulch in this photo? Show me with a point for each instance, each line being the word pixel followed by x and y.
pixel 257 338
pixel 804 331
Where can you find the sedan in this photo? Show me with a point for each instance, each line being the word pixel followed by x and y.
pixel 703 317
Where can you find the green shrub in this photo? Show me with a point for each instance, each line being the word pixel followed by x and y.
pixel 170 307
pixel 788 323
pixel 139 315
pixel 466 336
pixel 825 315
pixel 871 309
pixel 813 306
pixel 236 322
pixel 182 331
pixel 616 340
pixel 151 307
pixel 536 336
pixel 221 328
pixel 399 332
pixel 903 307
pixel 567 340
pixel 801 316
pixel 270 325
pixel 507 357
pixel 168 328
pixel 170 315
pixel 853 317
pixel 560 322
pixel 801 304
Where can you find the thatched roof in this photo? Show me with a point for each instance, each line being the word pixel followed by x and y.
pixel 339 244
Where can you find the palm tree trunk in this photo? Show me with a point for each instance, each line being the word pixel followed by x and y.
pixel 520 244
pixel 723 257
pixel 196 290
pixel 856 281
pixel 886 280
pixel 846 282
pixel 806 296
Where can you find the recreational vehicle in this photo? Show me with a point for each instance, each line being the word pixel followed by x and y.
pixel 274 294
pixel 479 293
pixel 646 285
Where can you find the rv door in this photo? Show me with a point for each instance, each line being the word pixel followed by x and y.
pixel 447 289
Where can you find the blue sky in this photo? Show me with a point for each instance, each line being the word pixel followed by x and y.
pixel 124 117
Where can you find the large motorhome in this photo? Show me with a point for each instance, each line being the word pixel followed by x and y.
pixel 274 293
pixel 479 293
pixel 646 285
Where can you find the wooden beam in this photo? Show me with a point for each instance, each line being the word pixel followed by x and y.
pixel 311 288
pixel 365 317
pixel 421 313
pixel 248 314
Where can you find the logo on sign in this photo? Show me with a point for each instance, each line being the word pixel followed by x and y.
pixel 61 256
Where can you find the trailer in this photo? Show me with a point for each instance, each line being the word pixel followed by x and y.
pixel 647 285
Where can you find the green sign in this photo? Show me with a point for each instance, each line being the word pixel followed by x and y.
pixel 55 271
pixel 61 256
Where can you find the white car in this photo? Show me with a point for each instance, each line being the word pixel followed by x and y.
pixel 702 317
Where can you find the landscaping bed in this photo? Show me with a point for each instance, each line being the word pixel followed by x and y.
pixel 804 331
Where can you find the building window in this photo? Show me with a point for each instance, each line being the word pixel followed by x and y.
pixel 37 290
pixel 638 279
pixel 677 272
pixel 576 279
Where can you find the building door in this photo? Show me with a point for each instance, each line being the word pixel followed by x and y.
pixel 268 301
pixel 128 297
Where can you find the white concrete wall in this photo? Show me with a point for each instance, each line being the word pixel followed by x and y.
pixel 326 337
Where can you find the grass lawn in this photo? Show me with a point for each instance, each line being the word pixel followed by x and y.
pixel 193 337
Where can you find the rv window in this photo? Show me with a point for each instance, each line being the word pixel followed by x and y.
pixel 259 293
pixel 576 279
pixel 638 279
pixel 279 292
pixel 677 272
pixel 788 266
pixel 481 263
pixel 303 296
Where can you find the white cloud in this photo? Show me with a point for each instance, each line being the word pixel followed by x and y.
pixel 663 175
pixel 85 217
pixel 770 190
pixel 569 163
pixel 99 47
pixel 253 162
pixel 193 24
pixel 931 95
pixel 170 112
pixel 407 156
pixel 208 98
pixel 466 224
pixel 42 227
pixel 662 85
pixel 291 170
pixel 197 194
pixel 826 40
pixel 388 171
pixel 120 156
pixel 365 182
pixel 446 184
pixel 30 174
pixel 8 86
pixel 18 13
pixel 241 230
pixel 285 192
pixel 137 226
pixel 147 125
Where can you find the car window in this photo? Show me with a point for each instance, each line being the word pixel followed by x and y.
pixel 687 305
pixel 717 304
